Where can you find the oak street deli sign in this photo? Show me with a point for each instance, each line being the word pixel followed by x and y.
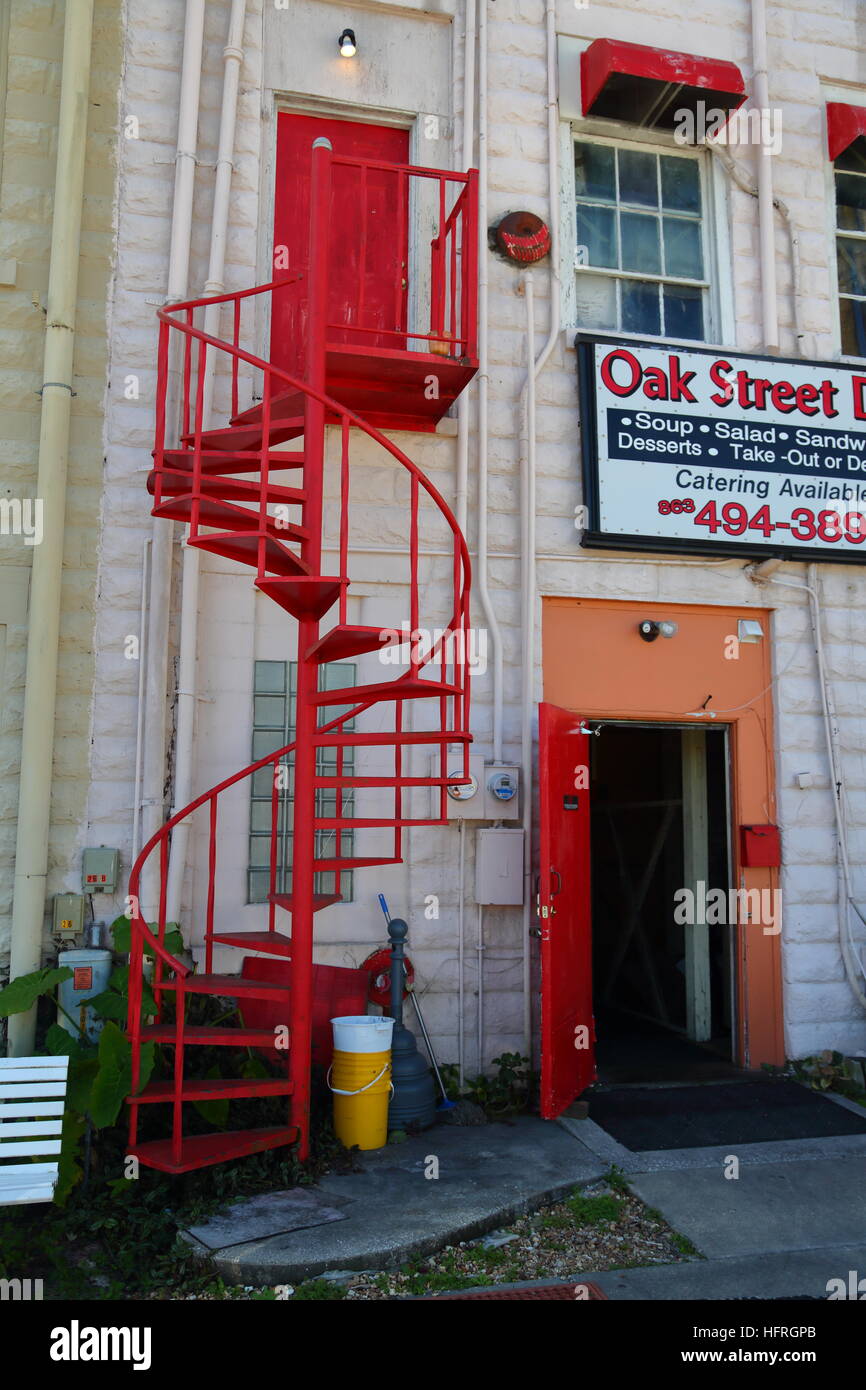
pixel 696 450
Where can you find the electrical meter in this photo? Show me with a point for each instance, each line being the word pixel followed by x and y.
pixel 503 786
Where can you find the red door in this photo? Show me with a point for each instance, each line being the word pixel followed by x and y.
pixel 369 235
pixel 564 910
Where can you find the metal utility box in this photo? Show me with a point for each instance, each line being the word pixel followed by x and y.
pixel 760 847
pixel 499 867
pixel 100 870
pixel 464 802
pixel 68 914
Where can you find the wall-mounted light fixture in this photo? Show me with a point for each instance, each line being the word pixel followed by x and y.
pixel 348 45
pixel 749 630
pixel 649 629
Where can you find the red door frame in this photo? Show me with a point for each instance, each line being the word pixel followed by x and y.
pixel 364 269
pixel 564 910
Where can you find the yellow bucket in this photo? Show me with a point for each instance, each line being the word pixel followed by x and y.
pixel 361 1083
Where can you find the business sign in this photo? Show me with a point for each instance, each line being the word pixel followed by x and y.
pixel 700 450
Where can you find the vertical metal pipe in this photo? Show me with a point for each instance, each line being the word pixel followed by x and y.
pixel 304 834
pixel 162 535
pixel 46 579
pixel 764 156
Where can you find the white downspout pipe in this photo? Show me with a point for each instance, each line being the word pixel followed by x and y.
pixel 162 534
pixel 46 576
pixel 468 145
pixel 494 634
pixel 527 506
pixel 766 223
pixel 854 970
pixel 233 55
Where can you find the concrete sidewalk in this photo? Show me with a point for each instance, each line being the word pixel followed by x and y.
pixel 448 1184
pixel 791 1221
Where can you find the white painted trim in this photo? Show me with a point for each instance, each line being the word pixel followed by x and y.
pixel 715 230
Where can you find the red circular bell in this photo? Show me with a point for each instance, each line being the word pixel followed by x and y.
pixel 379 966
pixel 523 237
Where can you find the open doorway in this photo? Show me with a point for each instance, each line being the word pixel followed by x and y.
pixel 663 979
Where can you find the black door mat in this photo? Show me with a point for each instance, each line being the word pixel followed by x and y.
pixel 751 1111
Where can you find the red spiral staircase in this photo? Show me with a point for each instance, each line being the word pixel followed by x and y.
pixel 221 483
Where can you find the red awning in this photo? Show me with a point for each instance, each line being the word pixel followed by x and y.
pixel 844 125
pixel 649 86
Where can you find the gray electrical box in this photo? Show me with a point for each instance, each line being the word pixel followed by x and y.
pixel 100 870
pixel 68 914
pixel 499 867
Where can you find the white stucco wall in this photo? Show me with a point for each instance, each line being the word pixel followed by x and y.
pixel 237 625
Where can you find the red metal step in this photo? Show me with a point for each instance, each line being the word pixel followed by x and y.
pixel 175 484
pixel 320 900
pixel 239 1087
pixel 197 1151
pixel 205 1035
pixel 328 865
pixel 231 986
pixel 244 548
pixel 350 639
pixel 370 822
pixel 212 512
pixel 273 943
pixel 288 404
pixel 247 436
pixel 413 688
pixel 306 596
pixel 231 460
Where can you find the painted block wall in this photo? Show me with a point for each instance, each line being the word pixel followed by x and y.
pixel 28 122
pixel 237 626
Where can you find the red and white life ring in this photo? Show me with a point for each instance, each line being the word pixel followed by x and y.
pixel 379 966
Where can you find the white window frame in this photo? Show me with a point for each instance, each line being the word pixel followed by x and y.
pixel 715 234
pixel 856 96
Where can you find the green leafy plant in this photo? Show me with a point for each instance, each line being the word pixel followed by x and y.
pixel 508 1091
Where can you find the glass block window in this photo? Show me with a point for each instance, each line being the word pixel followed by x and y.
pixel 640 260
pixel 850 178
pixel 274 690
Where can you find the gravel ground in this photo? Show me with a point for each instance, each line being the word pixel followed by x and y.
pixel 596 1229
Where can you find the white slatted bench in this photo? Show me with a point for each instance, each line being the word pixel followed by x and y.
pixel 32 1092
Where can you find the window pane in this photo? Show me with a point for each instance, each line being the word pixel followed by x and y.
pixel 262 783
pixel 638 178
pixel 596 230
pixel 596 301
pixel 260 816
pixel 853 315
pixel 270 676
pixel 851 260
pixel 269 712
pixel 640 243
pixel 684 312
pixel 683 256
pixel 640 307
pixel 258 885
pixel 851 202
pixel 260 851
pixel 681 184
pixel 594 172
pixel 266 741
pixel 854 157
